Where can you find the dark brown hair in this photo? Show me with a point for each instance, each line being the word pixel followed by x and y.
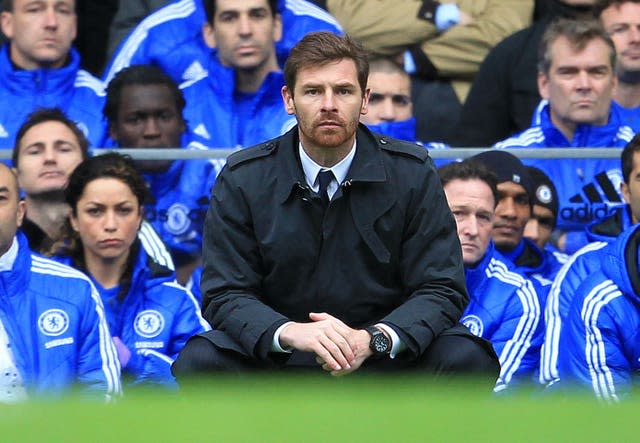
pixel 321 48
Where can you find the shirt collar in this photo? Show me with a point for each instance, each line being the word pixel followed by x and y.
pixel 311 168
pixel 8 259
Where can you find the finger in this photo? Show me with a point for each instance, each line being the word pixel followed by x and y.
pixel 319 316
pixel 332 354
pixel 342 339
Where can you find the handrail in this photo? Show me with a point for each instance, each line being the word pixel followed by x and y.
pixel 452 153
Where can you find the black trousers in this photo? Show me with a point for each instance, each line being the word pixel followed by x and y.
pixel 454 352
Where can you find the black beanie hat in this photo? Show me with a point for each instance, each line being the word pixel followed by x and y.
pixel 507 167
pixel 545 192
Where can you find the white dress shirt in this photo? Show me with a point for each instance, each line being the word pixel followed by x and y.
pixel 311 170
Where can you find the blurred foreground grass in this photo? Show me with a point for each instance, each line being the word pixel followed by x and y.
pixel 322 409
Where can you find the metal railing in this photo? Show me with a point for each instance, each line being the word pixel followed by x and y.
pixel 453 153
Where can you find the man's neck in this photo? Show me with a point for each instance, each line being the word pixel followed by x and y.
pixel 47 212
pixel 627 93
pixel 250 80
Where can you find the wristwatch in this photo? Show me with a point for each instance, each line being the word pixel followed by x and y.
pixel 380 343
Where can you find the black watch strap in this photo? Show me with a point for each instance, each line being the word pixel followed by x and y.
pixel 380 344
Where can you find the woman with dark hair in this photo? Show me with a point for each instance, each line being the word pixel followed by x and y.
pixel 150 315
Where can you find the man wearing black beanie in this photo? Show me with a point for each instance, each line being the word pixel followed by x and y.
pixel 544 210
pixel 515 198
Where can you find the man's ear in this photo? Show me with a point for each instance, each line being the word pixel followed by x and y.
pixel 22 209
pixel 6 23
pixel 209 36
pixel 277 28
pixel 365 102
pixel 287 98
pixel 543 85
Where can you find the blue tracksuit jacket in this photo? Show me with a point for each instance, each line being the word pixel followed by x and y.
pixel 56 325
pixel 583 263
pixel 181 198
pixel 212 110
pixel 75 91
pixel 600 342
pixel 171 38
pixel 588 189
pixel 504 308
pixel 154 320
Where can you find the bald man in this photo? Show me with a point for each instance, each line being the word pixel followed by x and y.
pixel 53 333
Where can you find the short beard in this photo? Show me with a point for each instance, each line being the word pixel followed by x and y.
pixel 629 77
pixel 53 196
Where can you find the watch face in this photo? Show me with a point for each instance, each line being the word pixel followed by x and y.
pixel 380 343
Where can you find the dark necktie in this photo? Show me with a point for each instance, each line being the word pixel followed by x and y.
pixel 324 178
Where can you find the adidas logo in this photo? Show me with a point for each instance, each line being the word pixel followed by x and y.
pixel 609 191
pixel 3 132
pixel 194 72
pixel 201 130
pixel 598 199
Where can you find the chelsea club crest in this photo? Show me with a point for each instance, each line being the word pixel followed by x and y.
pixel 474 323
pixel 53 322
pixel 148 323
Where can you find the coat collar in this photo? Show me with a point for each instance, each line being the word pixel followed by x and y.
pixel 367 165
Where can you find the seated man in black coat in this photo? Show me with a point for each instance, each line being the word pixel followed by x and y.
pixel 332 248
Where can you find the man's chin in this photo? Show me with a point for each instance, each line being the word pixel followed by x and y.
pixel 503 244
pixel 153 166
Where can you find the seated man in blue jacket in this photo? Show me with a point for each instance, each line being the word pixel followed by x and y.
pixel 144 110
pixel 53 333
pixel 544 214
pixel 599 344
pixel 172 37
pixel 39 68
pixel 390 109
pixel 504 307
pixel 586 260
pixel 576 77
pixel 513 210
pixel 239 103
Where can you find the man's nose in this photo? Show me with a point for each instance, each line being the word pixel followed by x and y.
pixel 329 101
pixel 51 18
pixel 387 110
pixel 244 25
pixel 506 208
pixel 151 127
pixel 583 81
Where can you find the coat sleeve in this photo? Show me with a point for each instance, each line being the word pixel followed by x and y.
pixel 485 116
pixel 232 271
pixel 389 27
pixel 431 267
pixel 458 52
pixel 98 367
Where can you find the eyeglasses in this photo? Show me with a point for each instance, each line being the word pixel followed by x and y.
pixel 396 99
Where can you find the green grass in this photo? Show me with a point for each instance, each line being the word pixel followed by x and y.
pixel 322 409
